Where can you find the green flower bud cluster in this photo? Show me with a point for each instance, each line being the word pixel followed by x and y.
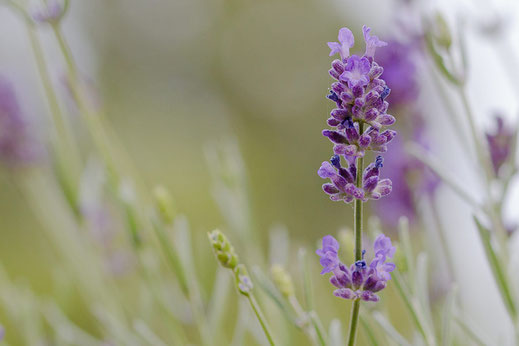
pixel 228 258
pixel 223 250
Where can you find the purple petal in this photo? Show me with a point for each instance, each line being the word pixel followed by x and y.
pixel 326 170
pixel 372 42
pixel 369 296
pixel 345 293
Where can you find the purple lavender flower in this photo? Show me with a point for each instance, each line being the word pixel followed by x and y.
pixel 342 181
pixel 499 144
pixel 359 281
pixel 50 12
pixel 359 95
pixel 17 147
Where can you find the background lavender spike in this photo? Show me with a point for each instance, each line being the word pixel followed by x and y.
pixel 17 145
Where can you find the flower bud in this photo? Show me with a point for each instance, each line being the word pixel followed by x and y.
pixel 223 249
pixel 243 281
pixel 164 203
pixel 283 280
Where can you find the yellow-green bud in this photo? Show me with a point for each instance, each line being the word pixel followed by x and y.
pixel 282 280
pixel 223 249
pixel 442 32
pixel 242 279
pixel 164 203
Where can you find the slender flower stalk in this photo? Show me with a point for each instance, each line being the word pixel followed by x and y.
pixel 357 228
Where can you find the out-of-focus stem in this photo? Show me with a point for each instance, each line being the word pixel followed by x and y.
pixel 485 161
pixel 68 161
pixel 261 318
pixel 499 275
pixel 414 309
pixel 443 237
pixel 421 155
pixel 95 127
pixel 476 137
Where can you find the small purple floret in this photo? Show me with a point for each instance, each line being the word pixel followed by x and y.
pixel 328 252
pixel 500 144
pixel 346 41
pixel 372 42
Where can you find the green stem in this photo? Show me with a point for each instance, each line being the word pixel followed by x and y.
pixel 357 226
pixel 68 164
pixel 497 270
pixel 482 155
pixel 261 318
pixel 354 322
pixel 172 257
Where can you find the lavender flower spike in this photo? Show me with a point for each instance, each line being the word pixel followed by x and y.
pixel 360 98
pixel 359 281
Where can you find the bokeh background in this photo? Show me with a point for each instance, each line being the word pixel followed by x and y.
pixel 176 77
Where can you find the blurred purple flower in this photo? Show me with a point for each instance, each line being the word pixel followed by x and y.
pixel 399 64
pixel 411 176
pixel 17 147
pixel 500 143
pixel 359 281
pixel 49 12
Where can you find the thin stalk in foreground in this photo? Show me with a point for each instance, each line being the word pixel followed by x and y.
pixel 357 225
pixel 261 318
pixel 497 270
